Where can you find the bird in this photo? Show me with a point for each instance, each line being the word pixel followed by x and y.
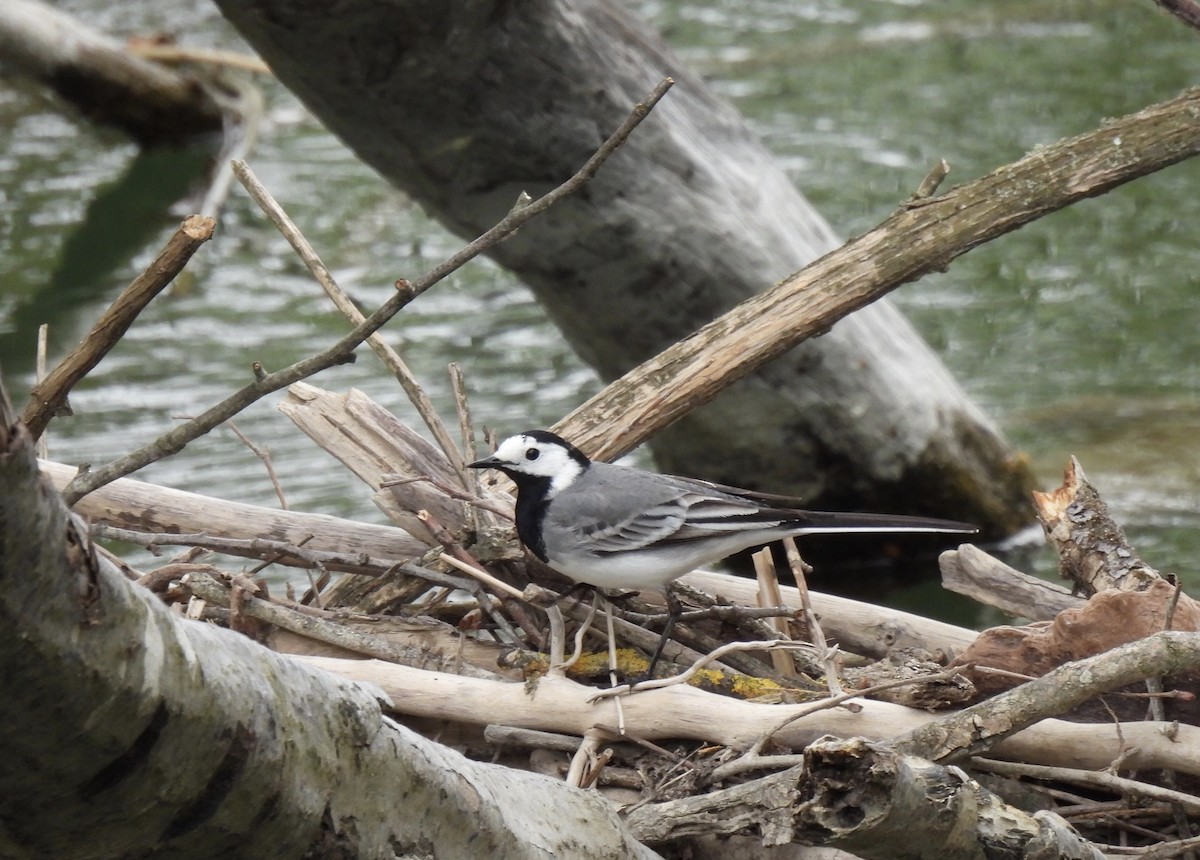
pixel 619 527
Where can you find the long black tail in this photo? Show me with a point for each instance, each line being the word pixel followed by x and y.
pixel 817 522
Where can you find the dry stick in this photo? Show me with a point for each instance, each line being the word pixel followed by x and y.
pixel 769 595
pixel 390 358
pixel 584 755
pixel 475 501
pixel 265 456
pixel 43 444
pixel 483 576
pixel 343 350
pixel 267 549
pixel 50 394
pixel 1093 778
pixel 976 729
pixel 453 549
pixel 314 626
pixel 930 184
pixel 466 430
pixel 470 477
pixel 1168 850
pixel 516 608
pixel 842 698
pixel 596 764
pixel 612 662
pixel 178 54
pixel 582 632
pixel 727 612
pixel 906 246
pixel 828 655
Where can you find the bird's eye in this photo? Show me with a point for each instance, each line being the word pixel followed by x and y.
pixel 532 454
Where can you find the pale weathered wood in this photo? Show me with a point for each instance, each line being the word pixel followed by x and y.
pixel 559 705
pixel 371 443
pixel 139 505
pixel 973 573
pixel 863 628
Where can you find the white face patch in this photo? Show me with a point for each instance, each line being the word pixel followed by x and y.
pixel 529 456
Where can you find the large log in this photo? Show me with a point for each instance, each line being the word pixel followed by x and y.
pixel 466 105
pixel 95 74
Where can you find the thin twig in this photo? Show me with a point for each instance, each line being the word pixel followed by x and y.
pixel 1093 778
pixel 828 655
pixel 266 549
pixel 612 662
pixel 178 54
pixel 470 477
pixel 582 632
pixel 728 612
pixel 343 350
pixel 834 701
pixel 482 575
pixel 458 385
pixel 929 185
pixel 43 444
pixel 265 456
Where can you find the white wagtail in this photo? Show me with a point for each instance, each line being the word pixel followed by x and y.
pixel 614 526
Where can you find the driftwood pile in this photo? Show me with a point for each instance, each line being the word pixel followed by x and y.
pixel 1085 719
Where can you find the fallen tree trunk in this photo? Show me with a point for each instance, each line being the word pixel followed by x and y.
pixel 106 83
pixel 465 106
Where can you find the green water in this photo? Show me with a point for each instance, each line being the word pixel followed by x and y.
pixel 1077 333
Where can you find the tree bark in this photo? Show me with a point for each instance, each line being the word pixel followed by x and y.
pixel 466 105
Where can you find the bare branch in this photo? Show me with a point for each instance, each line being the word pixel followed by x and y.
pixel 49 395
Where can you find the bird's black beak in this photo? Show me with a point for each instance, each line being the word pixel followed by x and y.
pixel 487 463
